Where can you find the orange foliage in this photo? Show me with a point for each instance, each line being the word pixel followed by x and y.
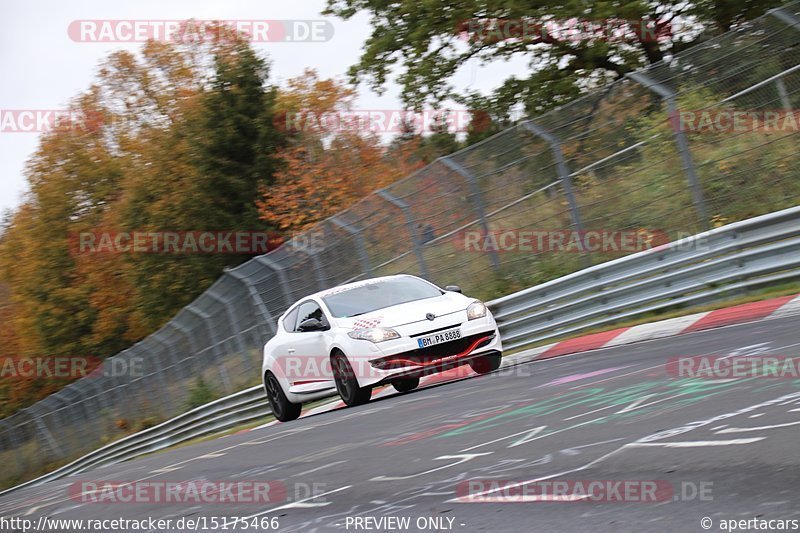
pixel 325 170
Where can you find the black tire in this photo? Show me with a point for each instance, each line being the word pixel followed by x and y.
pixel 405 384
pixel 282 408
pixel 346 382
pixel 486 363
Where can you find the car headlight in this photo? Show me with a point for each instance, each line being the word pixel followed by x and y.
pixel 374 334
pixel 475 310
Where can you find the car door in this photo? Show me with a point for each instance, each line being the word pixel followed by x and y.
pixel 308 349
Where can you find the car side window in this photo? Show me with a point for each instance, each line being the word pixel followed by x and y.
pixel 290 320
pixel 309 310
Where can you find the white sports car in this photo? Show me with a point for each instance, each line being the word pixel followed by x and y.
pixel 392 329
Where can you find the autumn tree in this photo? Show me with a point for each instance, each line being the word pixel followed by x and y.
pixel 181 138
pixel 330 161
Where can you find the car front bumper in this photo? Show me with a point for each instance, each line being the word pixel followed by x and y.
pixel 403 357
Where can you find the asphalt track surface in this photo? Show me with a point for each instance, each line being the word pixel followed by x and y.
pixel 727 449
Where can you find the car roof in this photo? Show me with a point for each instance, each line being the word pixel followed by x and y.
pixel 348 286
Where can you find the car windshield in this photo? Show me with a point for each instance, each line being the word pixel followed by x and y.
pixel 373 296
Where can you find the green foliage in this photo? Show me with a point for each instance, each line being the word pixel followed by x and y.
pixel 431 40
pixel 200 393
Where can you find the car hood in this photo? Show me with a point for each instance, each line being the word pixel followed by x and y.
pixel 409 312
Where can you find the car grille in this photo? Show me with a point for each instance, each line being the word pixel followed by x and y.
pixel 431 354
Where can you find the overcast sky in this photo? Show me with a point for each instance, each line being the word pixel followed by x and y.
pixel 43 68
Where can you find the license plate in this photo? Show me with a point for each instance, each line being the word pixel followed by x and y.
pixel 439 338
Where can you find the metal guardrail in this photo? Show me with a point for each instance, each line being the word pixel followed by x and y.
pixel 214 417
pixel 693 270
pixel 735 257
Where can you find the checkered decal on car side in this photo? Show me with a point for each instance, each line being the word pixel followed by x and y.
pixel 368 322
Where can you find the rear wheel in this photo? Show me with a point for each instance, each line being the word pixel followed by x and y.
pixel 282 408
pixel 346 382
pixel 486 363
pixel 405 384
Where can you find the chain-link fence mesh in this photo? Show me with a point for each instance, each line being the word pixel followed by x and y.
pixel 616 160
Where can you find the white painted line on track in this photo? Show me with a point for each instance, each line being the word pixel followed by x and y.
pixel 760 428
pixel 695 443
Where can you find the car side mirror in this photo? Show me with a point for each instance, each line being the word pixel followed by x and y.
pixel 453 288
pixel 311 324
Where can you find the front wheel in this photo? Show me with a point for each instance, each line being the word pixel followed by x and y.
pixel 346 382
pixel 282 408
pixel 486 363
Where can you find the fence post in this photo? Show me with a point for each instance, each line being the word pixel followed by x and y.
pixel 183 330
pixel 318 275
pixel 47 437
pixel 284 283
pixel 259 303
pixel 215 347
pixel 362 249
pixel 163 391
pixel 477 201
pixel 170 347
pixel 237 333
pixel 565 177
pixel 785 16
pixel 668 95
pixel 412 233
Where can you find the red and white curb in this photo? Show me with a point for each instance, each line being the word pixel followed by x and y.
pixel 739 314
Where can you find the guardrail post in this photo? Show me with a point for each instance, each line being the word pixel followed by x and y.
pixel 668 95
pixel 260 306
pixel 565 177
pixel 412 233
pixel 477 201
pixel 361 247
pixel 216 347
